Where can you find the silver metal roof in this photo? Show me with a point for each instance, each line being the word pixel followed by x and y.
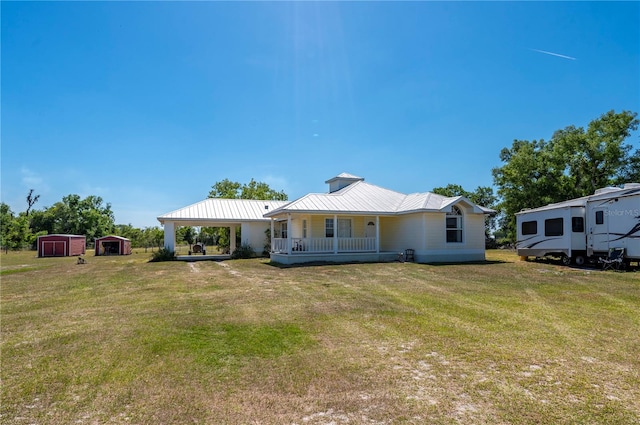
pixel 223 210
pixel 358 197
pixel 364 198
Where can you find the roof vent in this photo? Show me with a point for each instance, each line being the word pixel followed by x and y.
pixel 342 180
pixel 266 207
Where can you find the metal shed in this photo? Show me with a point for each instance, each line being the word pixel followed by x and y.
pixel 61 245
pixel 113 245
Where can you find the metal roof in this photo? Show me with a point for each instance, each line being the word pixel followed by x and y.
pixel 357 197
pixel 364 198
pixel 223 210
pixel 112 237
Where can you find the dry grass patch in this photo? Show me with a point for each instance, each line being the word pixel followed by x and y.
pixel 121 340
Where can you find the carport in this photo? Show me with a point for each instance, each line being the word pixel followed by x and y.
pixel 217 212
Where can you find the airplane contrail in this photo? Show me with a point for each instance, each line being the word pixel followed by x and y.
pixel 553 54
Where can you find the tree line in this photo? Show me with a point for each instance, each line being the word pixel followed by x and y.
pixel 72 215
pixel 573 163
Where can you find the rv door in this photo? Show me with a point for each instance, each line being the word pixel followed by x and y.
pixel 598 237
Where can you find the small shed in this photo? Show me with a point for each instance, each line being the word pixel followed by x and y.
pixel 61 245
pixel 113 245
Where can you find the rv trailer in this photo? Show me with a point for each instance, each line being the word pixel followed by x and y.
pixel 555 230
pixel 583 229
pixel 613 217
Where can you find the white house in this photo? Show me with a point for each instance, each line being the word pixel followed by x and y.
pixel 354 221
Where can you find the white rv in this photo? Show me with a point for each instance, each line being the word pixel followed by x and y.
pixel 583 229
pixel 613 219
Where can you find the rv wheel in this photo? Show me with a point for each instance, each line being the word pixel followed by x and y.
pixel 566 260
pixel 579 260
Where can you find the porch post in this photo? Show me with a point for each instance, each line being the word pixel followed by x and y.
pixel 271 235
pixel 377 234
pixel 335 233
pixel 289 234
pixel 170 235
pixel 232 239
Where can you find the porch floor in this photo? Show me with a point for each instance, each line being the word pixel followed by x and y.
pixel 365 257
pixel 218 257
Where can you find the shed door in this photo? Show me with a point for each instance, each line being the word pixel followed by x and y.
pixel 53 249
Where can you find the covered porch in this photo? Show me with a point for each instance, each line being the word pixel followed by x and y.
pixel 299 238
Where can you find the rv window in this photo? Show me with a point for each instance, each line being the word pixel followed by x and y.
pixel 599 217
pixel 529 227
pixel 553 227
pixel 577 224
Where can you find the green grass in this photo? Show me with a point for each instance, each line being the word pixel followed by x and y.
pixel 122 340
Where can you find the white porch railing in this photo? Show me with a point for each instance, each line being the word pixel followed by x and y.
pixel 313 245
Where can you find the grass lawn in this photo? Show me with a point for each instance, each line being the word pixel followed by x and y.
pixel 122 341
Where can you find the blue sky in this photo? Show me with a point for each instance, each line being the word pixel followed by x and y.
pixel 148 104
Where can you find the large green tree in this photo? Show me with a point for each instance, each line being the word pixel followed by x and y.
pixel 574 163
pixel 252 190
pixel 15 233
pixel 74 215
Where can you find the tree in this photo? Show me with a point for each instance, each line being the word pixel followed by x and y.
pixel 14 230
pixel 88 216
pixel 252 190
pixel 6 220
pixel 572 164
pixel 483 195
pixel 596 157
pixel 31 200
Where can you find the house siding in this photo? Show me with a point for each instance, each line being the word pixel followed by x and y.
pixel 253 234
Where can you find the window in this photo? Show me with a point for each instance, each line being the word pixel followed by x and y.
pixel 553 227
pixel 454 225
pixel 344 227
pixel 599 217
pixel 577 224
pixel 283 230
pixel 328 227
pixel 304 229
pixel 529 227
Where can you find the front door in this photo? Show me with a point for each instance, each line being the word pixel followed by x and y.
pixel 598 237
pixel 370 229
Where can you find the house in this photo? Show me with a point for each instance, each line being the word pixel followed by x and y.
pixel 353 221
pixel 113 245
pixel 61 245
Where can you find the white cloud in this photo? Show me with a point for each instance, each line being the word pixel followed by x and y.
pixel 30 178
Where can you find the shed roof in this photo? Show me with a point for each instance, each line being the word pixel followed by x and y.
pixel 112 237
pixel 223 210
pixel 65 235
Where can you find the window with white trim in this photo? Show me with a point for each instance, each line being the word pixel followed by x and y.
pixel 454 225
pixel 283 230
pixel 328 227
pixel 304 228
pixel 344 228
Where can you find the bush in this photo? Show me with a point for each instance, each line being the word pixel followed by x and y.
pixel 163 254
pixel 244 251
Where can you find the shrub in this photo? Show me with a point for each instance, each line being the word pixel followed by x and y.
pixel 244 251
pixel 163 254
